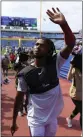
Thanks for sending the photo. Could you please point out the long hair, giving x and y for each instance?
(22, 58)
(50, 45)
(51, 49)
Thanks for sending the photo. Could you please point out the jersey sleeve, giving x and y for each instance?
(59, 62)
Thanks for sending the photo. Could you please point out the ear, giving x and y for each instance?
(50, 52)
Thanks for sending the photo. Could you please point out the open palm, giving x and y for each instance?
(56, 17)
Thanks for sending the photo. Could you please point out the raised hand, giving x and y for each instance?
(56, 16)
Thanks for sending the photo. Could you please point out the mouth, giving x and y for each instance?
(36, 51)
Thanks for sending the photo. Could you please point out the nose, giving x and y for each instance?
(37, 46)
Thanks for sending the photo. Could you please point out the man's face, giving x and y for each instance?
(40, 49)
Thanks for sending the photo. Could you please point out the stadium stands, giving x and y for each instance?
(31, 34)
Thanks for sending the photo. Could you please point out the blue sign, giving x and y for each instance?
(18, 21)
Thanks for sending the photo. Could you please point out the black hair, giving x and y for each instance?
(50, 45)
(22, 57)
(77, 61)
(51, 51)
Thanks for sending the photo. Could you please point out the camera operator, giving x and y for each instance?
(75, 74)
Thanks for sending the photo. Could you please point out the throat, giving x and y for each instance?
(40, 62)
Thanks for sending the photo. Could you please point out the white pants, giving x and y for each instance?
(47, 130)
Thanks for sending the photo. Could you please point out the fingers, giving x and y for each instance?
(58, 9)
(13, 129)
(50, 14)
(12, 132)
(52, 20)
(54, 10)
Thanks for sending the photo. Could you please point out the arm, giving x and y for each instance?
(21, 89)
(18, 100)
(58, 18)
(69, 40)
(71, 73)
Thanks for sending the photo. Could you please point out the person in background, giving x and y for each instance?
(5, 66)
(12, 59)
(75, 74)
(77, 48)
(45, 97)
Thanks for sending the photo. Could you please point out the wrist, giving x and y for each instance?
(64, 24)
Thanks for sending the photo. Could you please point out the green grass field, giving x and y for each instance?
(57, 51)
(3, 51)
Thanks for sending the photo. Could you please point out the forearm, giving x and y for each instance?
(68, 35)
(15, 111)
(16, 108)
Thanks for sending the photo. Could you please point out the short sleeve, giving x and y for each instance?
(59, 62)
(22, 86)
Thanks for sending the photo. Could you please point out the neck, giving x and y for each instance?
(40, 62)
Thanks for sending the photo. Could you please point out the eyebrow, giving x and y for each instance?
(39, 43)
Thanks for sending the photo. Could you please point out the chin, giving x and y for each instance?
(37, 56)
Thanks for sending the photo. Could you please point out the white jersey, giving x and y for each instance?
(45, 107)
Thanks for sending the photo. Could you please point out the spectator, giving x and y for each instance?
(12, 58)
(5, 65)
(75, 74)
